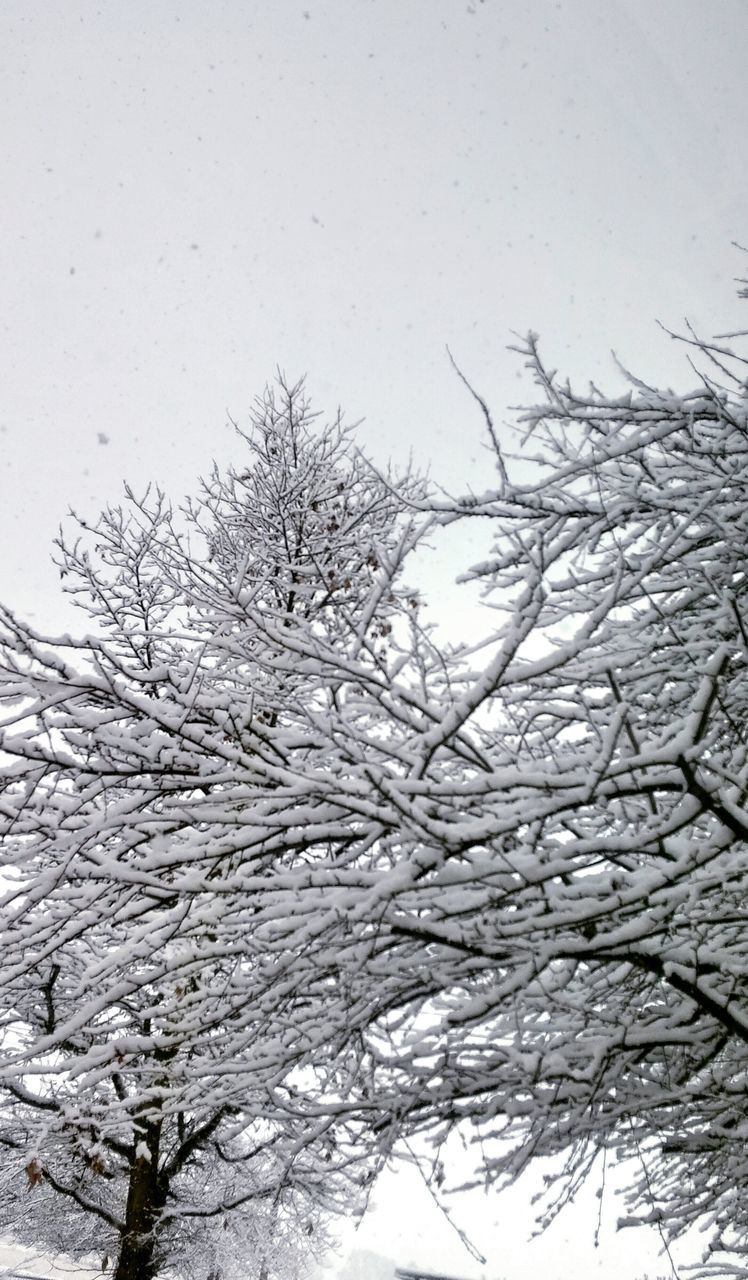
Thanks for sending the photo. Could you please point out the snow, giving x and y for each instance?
(18, 1260)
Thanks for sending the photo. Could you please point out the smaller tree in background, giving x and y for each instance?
(153, 798)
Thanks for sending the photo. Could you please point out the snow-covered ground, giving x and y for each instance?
(16, 1261)
(363, 1264)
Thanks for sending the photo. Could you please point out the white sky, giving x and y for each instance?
(404, 1226)
(196, 191)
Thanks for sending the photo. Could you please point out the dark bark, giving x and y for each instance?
(146, 1196)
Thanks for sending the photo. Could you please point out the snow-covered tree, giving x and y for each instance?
(573, 952)
(281, 873)
(154, 791)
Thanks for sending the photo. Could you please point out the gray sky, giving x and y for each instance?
(195, 192)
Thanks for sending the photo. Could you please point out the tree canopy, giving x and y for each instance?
(286, 880)
(582, 935)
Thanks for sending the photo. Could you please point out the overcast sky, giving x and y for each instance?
(197, 192)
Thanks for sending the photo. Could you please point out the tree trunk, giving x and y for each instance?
(145, 1199)
(136, 1260)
